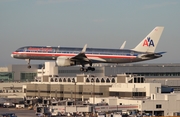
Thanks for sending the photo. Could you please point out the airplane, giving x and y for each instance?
(71, 56)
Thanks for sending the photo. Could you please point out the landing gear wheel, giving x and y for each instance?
(29, 66)
(28, 60)
(82, 69)
(85, 70)
(91, 68)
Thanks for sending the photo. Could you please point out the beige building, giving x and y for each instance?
(84, 86)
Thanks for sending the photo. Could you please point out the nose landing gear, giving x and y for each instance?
(28, 60)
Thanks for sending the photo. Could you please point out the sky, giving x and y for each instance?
(97, 23)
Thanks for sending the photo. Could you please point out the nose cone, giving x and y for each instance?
(12, 55)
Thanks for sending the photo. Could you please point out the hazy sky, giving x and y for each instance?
(99, 23)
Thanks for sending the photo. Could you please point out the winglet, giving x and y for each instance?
(84, 48)
(123, 45)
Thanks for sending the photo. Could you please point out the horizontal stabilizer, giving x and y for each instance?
(161, 52)
(152, 55)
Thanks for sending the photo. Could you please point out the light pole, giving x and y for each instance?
(38, 92)
(74, 91)
(93, 80)
(42, 74)
(75, 95)
(166, 82)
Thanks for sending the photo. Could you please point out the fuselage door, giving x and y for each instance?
(53, 53)
(132, 53)
(25, 50)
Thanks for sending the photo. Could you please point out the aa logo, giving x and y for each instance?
(148, 42)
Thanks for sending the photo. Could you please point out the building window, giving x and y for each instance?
(107, 81)
(28, 76)
(6, 76)
(97, 80)
(158, 106)
(113, 80)
(64, 80)
(139, 80)
(87, 80)
(102, 80)
(69, 80)
(135, 80)
(60, 80)
(139, 94)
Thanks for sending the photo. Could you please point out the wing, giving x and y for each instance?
(83, 59)
(123, 45)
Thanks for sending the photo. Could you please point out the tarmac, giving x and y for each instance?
(18, 112)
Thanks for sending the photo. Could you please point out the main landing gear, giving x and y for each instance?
(28, 60)
(86, 69)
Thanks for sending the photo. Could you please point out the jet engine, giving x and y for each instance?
(64, 61)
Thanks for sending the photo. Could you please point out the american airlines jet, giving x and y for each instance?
(70, 56)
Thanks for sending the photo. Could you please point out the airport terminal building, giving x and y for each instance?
(166, 74)
(120, 90)
(140, 84)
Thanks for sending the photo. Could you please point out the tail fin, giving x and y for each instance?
(149, 43)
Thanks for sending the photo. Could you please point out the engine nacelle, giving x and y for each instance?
(64, 61)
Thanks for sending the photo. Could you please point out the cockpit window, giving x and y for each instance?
(20, 50)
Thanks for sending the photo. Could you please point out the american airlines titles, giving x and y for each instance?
(40, 49)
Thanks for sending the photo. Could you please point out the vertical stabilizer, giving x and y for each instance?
(149, 43)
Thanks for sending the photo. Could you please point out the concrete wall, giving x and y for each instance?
(12, 84)
(67, 91)
(3, 69)
(18, 69)
(141, 68)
